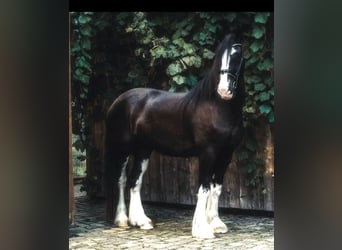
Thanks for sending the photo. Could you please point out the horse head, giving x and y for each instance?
(229, 65)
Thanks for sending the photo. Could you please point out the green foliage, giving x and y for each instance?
(250, 164)
(81, 34)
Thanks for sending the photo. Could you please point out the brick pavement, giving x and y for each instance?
(172, 230)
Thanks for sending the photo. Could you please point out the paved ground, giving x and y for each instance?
(172, 230)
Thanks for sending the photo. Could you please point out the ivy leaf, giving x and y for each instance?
(179, 79)
(84, 19)
(189, 48)
(158, 52)
(76, 47)
(174, 68)
(271, 117)
(192, 61)
(256, 45)
(271, 91)
(172, 89)
(267, 64)
(78, 145)
(212, 28)
(146, 40)
(251, 145)
(179, 41)
(252, 79)
(261, 17)
(208, 54)
(191, 80)
(264, 96)
(85, 30)
(242, 155)
(250, 109)
(265, 109)
(85, 44)
(83, 96)
(252, 60)
(259, 87)
(258, 31)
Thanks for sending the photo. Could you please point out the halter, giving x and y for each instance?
(232, 75)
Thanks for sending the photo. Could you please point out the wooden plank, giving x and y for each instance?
(170, 187)
(154, 179)
(184, 178)
(269, 171)
(175, 180)
(193, 177)
(231, 186)
(71, 177)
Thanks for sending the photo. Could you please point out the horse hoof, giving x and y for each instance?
(147, 226)
(220, 230)
(121, 223)
(218, 226)
(121, 220)
(144, 223)
(204, 234)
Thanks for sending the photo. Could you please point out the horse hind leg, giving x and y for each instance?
(121, 218)
(137, 216)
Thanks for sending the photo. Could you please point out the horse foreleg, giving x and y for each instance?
(137, 216)
(121, 215)
(200, 226)
(212, 209)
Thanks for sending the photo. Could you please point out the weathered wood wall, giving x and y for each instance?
(175, 180)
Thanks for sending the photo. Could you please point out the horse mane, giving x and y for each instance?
(205, 89)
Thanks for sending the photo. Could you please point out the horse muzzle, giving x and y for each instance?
(225, 94)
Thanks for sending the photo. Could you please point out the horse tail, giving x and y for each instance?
(114, 157)
(109, 178)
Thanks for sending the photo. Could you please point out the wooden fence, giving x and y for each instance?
(175, 180)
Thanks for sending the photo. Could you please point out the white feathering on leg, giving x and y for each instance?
(137, 216)
(200, 226)
(212, 209)
(121, 216)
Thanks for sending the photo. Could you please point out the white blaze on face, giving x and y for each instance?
(223, 86)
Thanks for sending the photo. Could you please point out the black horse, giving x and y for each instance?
(205, 122)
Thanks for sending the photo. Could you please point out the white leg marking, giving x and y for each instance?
(200, 226)
(137, 216)
(121, 216)
(212, 209)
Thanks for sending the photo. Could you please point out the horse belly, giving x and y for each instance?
(166, 140)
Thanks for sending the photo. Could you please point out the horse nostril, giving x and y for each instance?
(222, 91)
